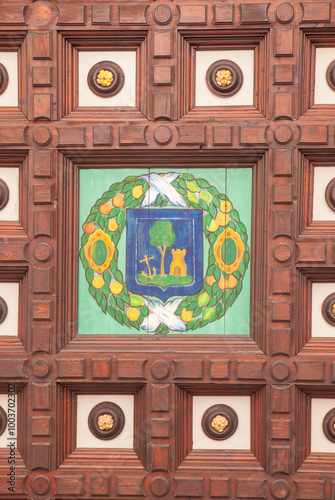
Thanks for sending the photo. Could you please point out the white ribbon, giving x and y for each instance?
(163, 314)
(161, 184)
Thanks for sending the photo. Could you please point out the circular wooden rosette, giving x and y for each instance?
(3, 310)
(4, 194)
(330, 75)
(328, 309)
(3, 78)
(106, 408)
(330, 194)
(116, 85)
(236, 78)
(216, 411)
(3, 420)
(328, 425)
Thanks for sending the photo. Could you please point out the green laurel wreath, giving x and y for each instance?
(216, 294)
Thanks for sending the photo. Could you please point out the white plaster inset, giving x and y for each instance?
(11, 177)
(243, 58)
(240, 440)
(85, 403)
(126, 60)
(10, 96)
(10, 293)
(321, 210)
(323, 93)
(4, 404)
(320, 327)
(319, 442)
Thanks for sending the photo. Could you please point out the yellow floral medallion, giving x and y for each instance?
(228, 251)
(105, 422)
(223, 77)
(219, 423)
(105, 78)
(99, 251)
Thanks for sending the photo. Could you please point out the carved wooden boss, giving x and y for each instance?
(156, 115)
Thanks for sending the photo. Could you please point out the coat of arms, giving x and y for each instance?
(167, 284)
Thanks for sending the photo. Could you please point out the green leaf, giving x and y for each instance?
(217, 273)
(104, 304)
(120, 217)
(114, 212)
(244, 237)
(92, 291)
(222, 196)
(120, 303)
(212, 238)
(203, 205)
(111, 311)
(107, 277)
(234, 215)
(192, 305)
(135, 325)
(113, 266)
(212, 211)
(94, 209)
(127, 187)
(125, 319)
(215, 288)
(119, 317)
(216, 201)
(98, 296)
(182, 183)
(202, 183)
(125, 298)
(105, 290)
(108, 194)
(212, 302)
(90, 218)
(187, 177)
(118, 276)
(189, 326)
(131, 178)
(196, 324)
(89, 275)
(197, 311)
(134, 203)
(242, 268)
(212, 190)
(144, 311)
(112, 300)
(84, 239)
(239, 287)
(165, 330)
(204, 323)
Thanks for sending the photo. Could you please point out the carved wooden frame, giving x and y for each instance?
(189, 41)
(70, 43)
(68, 225)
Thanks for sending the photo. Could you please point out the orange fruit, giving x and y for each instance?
(223, 283)
(222, 219)
(225, 206)
(210, 280)
(186, 315)
(105, 208)
(89, 228)
(118, 200)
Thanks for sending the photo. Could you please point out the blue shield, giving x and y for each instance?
(164, 252)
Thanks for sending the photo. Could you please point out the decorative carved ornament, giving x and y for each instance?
(328, 425)
(105, 79)
(219, 422)
(106, 420)
(328, 309)
(3, 420)
(224, 78)
(330, 194)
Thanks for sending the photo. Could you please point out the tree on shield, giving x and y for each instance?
(162, 236)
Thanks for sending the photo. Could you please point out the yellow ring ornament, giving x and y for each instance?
(229, 268)
(99, 251)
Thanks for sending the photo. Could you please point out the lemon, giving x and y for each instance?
(137, 191)
(203, 299)
(192, 197)
(136, 301)
(98, 282)
(113, 225)
(208, 313)
(205, 196)
(214, 226)
(222, 219)
(186, 315)
(210, 280)
(226, 206)
(193, 186)
(133, 314)
(116, 287)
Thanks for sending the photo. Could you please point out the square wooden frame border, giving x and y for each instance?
(68, 193)
(70, 43)
(191, 40)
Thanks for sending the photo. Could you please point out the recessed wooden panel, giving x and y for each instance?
(191, 134)
(131, 368)
(101, 14)
(71, 136)
(314, 134)
(42, 223)
(189, 487)
(42, 76)
(284, 41)
(316, 11)
(102, 135)
(224, 14)
(283, 105)
(193, 14)
(250, 488)
(12, 14)
(69, 485)
(132, 14)
(42, 106)
(13, 136)
(282, 165)
(311, 252)
(129, 486)
(42, 309)
(220, 369)
(162, 106)
(163, 75)
(159, 457)
(160, 397)
(162, 43)
(41, 455)
(188, 369)
(42, 163)
(41, 426)
(310, 489)
(71, 14)
(283, 73)
(254, 13)
(160, 427)
(100, 485)
(220, 487)
(42, 280)
(42, 45)
(222, 136)
(41, 396)
(282, 279)
(281, 429)
(283, 193)
(71, 368)
(252, 135)
(132, 135)
(281, 399)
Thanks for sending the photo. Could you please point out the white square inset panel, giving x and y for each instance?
(243, 58)
(10, 293)
(86, 402)
(11, 177)
(323, 93)
(319, 442)
(10, 96)
(320, 327)
(126, 60)
(322, 177)
(240, 440)
(4, 404)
